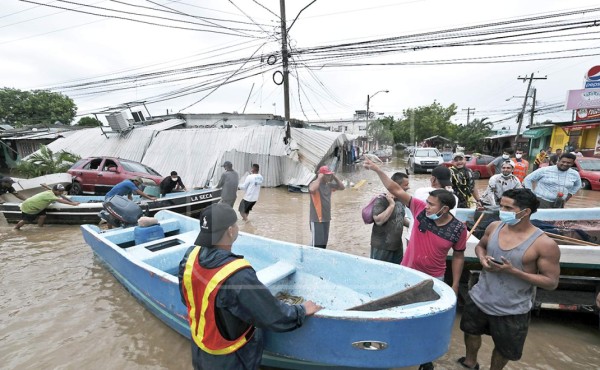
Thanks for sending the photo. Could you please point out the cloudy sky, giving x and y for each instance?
(223, 56)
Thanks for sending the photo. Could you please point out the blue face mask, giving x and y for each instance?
(510, 218)
(435, 216)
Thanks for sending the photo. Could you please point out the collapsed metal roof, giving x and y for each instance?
(197, 153)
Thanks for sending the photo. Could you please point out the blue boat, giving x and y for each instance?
(341, 335)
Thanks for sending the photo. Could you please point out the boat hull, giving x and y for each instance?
(187, 203)
(579, 257)
(395, 337)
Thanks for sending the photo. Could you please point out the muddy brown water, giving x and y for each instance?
(61, 309)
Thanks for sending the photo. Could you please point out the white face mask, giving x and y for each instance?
(518, 156)
(504, 156)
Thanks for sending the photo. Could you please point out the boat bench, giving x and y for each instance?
(275, 272)
(125, 239)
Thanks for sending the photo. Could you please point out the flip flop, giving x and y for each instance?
(462, 362)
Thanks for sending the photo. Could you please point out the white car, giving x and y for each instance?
(423, 160)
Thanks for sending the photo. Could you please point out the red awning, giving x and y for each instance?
(580, 127)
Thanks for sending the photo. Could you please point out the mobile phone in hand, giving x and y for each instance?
(497, 262)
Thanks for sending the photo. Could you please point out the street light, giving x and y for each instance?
(369, 97)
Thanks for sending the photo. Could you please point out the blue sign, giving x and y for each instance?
(592, 84)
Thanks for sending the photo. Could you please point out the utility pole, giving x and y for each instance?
(520, 117)
(286, 82)
(532, 107)
(469, 113)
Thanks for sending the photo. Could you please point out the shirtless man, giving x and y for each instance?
(516, 257)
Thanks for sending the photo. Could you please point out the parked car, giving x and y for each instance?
(97, 175)
(477, 163)
(423, 160)
(589, 171)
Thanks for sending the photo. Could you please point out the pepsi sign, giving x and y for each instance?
(592, 84)
(593, 74)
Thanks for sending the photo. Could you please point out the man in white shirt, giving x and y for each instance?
(251, 187)
(500, 183)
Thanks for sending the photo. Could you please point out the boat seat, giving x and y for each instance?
(275, 272)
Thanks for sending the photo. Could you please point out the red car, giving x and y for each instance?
(97, 175)
(477, 163)
(589, 171)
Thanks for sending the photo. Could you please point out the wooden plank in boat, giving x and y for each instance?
(421, 292)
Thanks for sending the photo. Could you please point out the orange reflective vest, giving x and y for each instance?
(520, 170)
(200, 288)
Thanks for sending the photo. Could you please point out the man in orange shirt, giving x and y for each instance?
(320, 205)
(521, 165)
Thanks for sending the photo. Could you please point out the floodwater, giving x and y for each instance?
(61, 309)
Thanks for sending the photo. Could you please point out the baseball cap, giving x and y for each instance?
(443, 175)
(58, 187)
(214, 221)
(325, 170)
(458, 154)
(227, 164)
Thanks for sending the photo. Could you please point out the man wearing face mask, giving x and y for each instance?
(555, 185)
(500, 183)
(521, 165)
(495, 166)
(435, 231)
(516, 258)
(170, 183)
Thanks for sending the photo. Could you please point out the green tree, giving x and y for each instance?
(24, 108)
(89, 122)
(425, 121)
(381, 130)
(44, 162)
(471, 135)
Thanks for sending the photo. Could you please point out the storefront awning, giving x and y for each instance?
(580, 127)
(537, 133)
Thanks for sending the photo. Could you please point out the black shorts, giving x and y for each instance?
(245, 206)
(31, 218)
(508, 332)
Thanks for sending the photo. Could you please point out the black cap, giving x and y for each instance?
(443, 175)
(214, 221)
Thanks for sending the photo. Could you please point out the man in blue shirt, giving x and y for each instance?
(555, 185)
(127, 188)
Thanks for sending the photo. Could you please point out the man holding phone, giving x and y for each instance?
(516, 257)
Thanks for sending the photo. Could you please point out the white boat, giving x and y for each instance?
(29, 187)
(582, 255)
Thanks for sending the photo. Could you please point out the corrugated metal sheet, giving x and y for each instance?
(36, 136)
(197, 154)
(91, 142)
(161, 126)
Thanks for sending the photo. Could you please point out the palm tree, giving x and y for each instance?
(44, 162)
